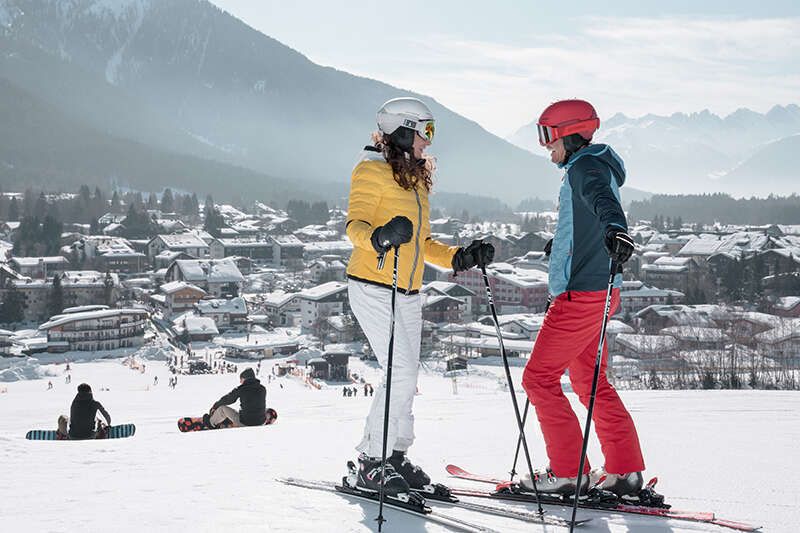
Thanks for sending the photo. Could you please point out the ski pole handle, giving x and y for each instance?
(382, 255)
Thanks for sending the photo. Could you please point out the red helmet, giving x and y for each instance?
(565, 118)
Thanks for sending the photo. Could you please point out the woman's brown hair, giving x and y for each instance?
(408, 171)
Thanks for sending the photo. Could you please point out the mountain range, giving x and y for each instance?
(145, 94)
(186, 78)
(745, 153)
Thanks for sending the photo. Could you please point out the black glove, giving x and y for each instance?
(548, 247)
(397, 231)
(478, 253)
(619, 245)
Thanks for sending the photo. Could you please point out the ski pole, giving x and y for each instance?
(520, 425)
(597, 362)
(513, 471)
(380, 518)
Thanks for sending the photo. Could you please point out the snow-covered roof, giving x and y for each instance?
(278, 298)
(34, 261)
(82, 308)
(490, 343)
(60, 320)
(244, 243)
(235, 306)
(286, 240)
(211, 270)
(651, 344)
(200, 325)
(447, 287)
(618, 327)
(696, 334)
(322, 291)
(787, 303)
(433, 299)
(328, 246)
(175, 286)
(650, 292)
(788, 329)
(182, 240)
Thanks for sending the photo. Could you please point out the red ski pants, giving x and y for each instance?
(568, 340)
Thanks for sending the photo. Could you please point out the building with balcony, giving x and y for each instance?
(104, 329)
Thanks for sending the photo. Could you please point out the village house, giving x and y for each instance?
(94, 330)
(653, 352)
(635, 296)
(180, 296)
(113, 254)
(691, 337)
(192, 328)
(781, 343)
(218, 277)
(515, 290)
(39, 267)
(287, 251)
(79, 287)
(327, 268)
(787, 306)
(258, 251)
(454, 290)
(314, 250)
(682, 274)
(188, 243)
(320, 302)
(441, 308)
(226, 314)
(282, 308)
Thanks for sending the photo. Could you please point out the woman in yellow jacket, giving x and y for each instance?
(389, 208)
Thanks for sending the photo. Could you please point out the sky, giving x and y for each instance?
(501, 62)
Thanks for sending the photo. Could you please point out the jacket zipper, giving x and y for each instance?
(416, 240)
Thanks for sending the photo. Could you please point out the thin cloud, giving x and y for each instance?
(635, 65)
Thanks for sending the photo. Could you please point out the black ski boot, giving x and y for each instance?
(369, 477)
(416, 478)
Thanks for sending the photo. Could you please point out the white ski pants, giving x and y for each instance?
(372, 307)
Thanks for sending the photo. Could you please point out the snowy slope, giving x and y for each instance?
(163, 480)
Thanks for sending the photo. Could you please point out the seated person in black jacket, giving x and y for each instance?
(251, 395)
(83, 412)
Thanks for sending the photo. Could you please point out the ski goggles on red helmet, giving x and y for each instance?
(548, 134)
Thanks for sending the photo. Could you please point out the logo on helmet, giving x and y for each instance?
(409, 124)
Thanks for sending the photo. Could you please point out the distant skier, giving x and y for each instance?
(49, 385)
(155, 381)
(388, 208)
(252, 398)
(591, 231)
(82, 414)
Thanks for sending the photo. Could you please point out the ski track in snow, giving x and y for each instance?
(705, 446)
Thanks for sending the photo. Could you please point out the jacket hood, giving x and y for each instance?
(604, 153)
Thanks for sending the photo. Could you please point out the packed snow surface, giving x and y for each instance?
(729, 452)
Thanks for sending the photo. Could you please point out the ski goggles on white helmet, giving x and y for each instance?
(425, 128)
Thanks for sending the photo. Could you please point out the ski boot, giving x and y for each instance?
(548, 483)
(621, 485)
(368, 478)
(418, 480)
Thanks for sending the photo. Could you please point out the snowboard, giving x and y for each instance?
(195, 423)
(122, 431)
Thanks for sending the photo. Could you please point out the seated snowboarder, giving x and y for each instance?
(82, 416)
(251, 395)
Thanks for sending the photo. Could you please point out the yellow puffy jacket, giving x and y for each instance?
(376, 198)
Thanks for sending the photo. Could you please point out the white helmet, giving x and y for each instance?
(408, 113)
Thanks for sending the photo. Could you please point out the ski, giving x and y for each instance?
(423, 511)
(510, 492)
(438, 493)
